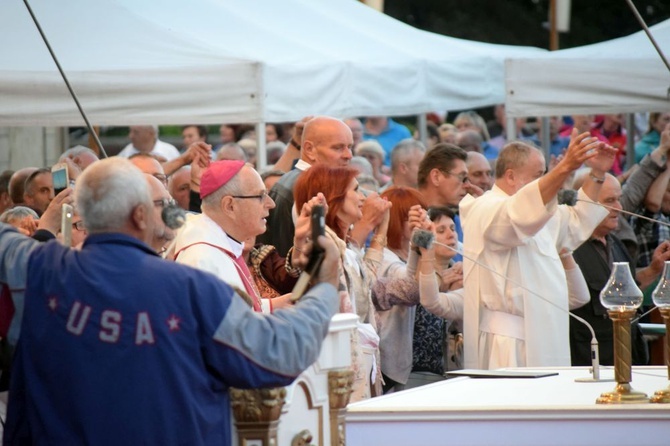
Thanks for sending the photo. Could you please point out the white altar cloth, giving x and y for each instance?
(553, 410)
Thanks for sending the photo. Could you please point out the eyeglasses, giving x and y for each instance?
(79, 225)
(161, 177)
(164, 202)
(260, 197)
(462, 177)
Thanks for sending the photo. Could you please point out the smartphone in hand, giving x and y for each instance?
(318, 226)
(67, 212)
(60, 177)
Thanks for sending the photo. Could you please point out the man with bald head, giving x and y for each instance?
(324, 140)
(479, 170)
(150, 165)
(144, 139)
(17, 184)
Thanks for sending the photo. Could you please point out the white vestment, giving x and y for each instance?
(199, 244)
(161, 148)
(519, 237)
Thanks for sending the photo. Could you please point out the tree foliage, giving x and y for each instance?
(524, 22)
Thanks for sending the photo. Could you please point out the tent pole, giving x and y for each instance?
(630, 139)
(67, 83)
(511, 131)
(422, 126)
(546, 138)
(261, 150)
(646, 30)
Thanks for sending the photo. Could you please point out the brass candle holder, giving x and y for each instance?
(661, 297)
(622, 297)
(623, 393)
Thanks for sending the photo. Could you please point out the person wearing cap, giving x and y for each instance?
(235, 205)
(373, 152)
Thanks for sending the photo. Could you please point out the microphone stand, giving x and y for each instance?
(653, 220)
(595, 358)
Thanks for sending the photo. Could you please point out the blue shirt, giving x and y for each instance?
(389, 137)
(119, 346)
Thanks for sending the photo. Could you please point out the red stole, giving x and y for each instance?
(242, 270)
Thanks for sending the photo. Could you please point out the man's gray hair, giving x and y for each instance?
(107, 192)
(403, 150)
(17, 213)
(512, 156)
(210, 204)
(76, 151)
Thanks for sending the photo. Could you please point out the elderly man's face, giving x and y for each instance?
(159, 195)
(609, 195)
(142, 137)
(335, 145)
(78, 230)
(180, 187)
(251, 213)
(150, 166)
(479, 170)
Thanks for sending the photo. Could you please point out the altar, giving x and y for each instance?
(552, 410)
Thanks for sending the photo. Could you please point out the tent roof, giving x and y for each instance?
(216, 61)
(620, 75)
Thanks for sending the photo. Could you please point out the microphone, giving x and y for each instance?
(173, 216)
(595, 358)
(569, 198)
(422, 238)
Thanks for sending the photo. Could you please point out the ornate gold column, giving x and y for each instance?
(257, 413)
(340, 386)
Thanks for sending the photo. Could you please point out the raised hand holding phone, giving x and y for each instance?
(60, 177)
(318, 227)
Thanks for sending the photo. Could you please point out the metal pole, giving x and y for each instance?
(646, 30)
(422, 125)
(67, 83)
(630, 139)
(261, 147)
(553, 26)
(511, 132)
(546, 138)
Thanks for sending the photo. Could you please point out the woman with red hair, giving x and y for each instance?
(345, 204)
(396, 293)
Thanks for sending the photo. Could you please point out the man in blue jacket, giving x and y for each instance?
(119, 346)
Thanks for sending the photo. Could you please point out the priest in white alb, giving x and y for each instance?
(517, 229)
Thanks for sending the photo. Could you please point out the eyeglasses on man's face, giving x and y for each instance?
(79, 225)
(462, 177)
(164, 202)
(260, 197)
(161, 177)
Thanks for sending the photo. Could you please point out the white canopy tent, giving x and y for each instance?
(620, 75)
(228, 61)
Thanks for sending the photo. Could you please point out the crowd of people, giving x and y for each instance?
(454, 253)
